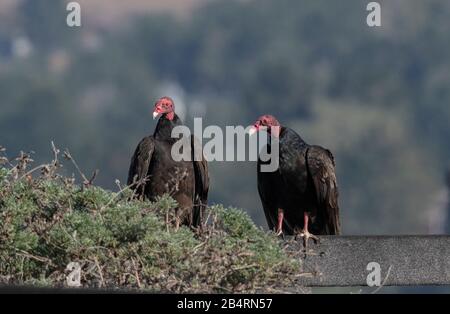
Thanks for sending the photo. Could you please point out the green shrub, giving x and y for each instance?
(48, 222)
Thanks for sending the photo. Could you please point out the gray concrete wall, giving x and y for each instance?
(342, 260)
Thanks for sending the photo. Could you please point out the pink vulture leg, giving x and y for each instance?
(280, 222)
(177, 223)
(305, 233)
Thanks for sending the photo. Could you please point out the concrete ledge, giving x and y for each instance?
(342, 260)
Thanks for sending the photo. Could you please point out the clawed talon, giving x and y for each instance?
(306, 236)
(279, 228)
(304, 233)
(280, 233)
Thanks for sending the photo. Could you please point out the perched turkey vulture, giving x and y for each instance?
(153, 172)
(303, 189)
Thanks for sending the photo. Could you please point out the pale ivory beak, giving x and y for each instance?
(252, 131)
(155, 115)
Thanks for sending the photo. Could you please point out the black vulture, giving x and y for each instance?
(301, 196)
(154, 172)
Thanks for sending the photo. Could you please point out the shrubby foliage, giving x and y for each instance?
(48, 221)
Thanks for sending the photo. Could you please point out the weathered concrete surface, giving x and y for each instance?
(342, 260)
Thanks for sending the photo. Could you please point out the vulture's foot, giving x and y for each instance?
(304, 233)
(280, 233)
(306, 236)
(177, 224)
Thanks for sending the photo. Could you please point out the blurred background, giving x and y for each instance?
(378, 97)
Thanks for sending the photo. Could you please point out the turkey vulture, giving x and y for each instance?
(153, 172)
(302, 190)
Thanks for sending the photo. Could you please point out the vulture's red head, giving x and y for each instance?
(164, 106)
(266, 122)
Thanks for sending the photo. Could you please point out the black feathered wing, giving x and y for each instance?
(140, 163)
(321, 166)
(201, 181)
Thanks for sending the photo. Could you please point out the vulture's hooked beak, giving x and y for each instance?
(252, 130)
(155, 114)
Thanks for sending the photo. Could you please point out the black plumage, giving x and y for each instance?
(153, 172)
(301, 196)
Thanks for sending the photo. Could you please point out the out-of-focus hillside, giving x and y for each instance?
(7, 6)
(109, 13)
(377, 97)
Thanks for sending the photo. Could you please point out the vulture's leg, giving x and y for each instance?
(280, 222)
(305, 233)
(177, 223)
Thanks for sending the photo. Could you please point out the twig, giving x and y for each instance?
(68, 156)
(94, 175)
(35, 257)
(54, 164)
(115, 196)
(138, 281)
(33, 170)
(244, 267)
(55, 153)
(195, 249)
(99, 271)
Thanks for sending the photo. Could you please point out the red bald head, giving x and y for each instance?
(164, 106)
(266, 122)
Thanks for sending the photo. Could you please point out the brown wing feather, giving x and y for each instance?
(322, 169)
(201, 181)
(140, 163)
